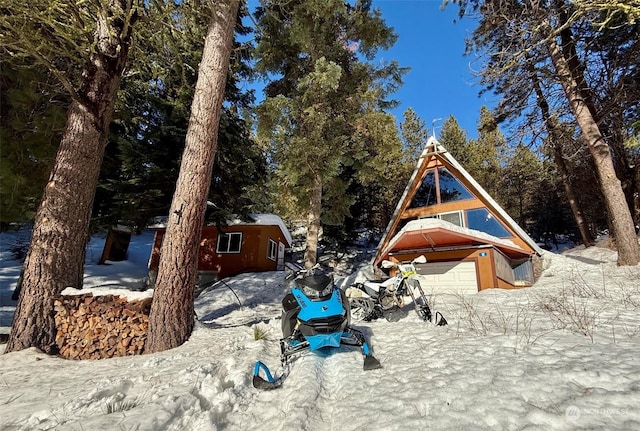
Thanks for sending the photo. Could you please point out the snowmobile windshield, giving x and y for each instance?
(317, 286)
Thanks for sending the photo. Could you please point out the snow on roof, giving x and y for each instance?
(426, 223)
(259, 219)
(159, 222)
(433, 148)
(266, 220)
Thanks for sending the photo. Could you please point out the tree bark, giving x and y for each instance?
(56, 255)
(313, 222)
(606, 123)
(172, 311)
(617, 209)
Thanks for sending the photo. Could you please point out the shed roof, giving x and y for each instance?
(258, 219)
(266, 220)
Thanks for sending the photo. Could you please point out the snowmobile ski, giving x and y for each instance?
(268, 381)
(316, 316)
(264, 379)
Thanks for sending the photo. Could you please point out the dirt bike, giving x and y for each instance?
(372, 299)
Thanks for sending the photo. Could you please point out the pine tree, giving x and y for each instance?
(619, 214)
(148, 133)
(609, 12)
(32, 117)
(313, 114)
(550, 212)
(171, 319)
(414, 135)
(520, 177)
(96, 37)
(515, 34)
(485, 155)
(555, 139)
(381, 180)
(454, 139)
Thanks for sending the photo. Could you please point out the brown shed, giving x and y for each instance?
(470, 242)
(238, 248)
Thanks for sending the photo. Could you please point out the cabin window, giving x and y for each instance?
(229, 242)
(481, 219)
(272, 252)
(426, 194)
(439, 187)
(451, 189)
(454, 217)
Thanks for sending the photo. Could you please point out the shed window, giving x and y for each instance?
(454, 217)
(272, 251)
(229, 242)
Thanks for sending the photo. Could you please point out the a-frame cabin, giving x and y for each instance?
(470, 242)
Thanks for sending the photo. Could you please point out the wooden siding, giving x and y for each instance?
(253, 255)
(493, 269)
(434, 157)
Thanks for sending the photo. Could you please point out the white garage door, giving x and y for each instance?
(448, 277)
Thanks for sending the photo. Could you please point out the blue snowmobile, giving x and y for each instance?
(316, 316)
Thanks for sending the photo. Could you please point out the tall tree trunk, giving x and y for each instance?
(56, 255)
(172, 311)
(552, 128)
(313, 222)
(617, 208)
(606, 123)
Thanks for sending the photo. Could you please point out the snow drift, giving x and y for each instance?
(560, 355)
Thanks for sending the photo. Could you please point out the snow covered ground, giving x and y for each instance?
(561, 355)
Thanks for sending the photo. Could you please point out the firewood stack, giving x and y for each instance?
(98, 327)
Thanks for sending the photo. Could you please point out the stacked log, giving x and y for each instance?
(98, 327)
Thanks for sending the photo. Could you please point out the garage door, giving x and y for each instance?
(448, 277)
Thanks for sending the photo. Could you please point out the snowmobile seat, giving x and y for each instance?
(289, 302)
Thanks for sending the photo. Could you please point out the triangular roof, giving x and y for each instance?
(433, 157)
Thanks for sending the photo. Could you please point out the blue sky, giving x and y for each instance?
(440, 82)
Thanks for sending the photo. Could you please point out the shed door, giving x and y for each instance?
(448, 277)
(280, 266)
